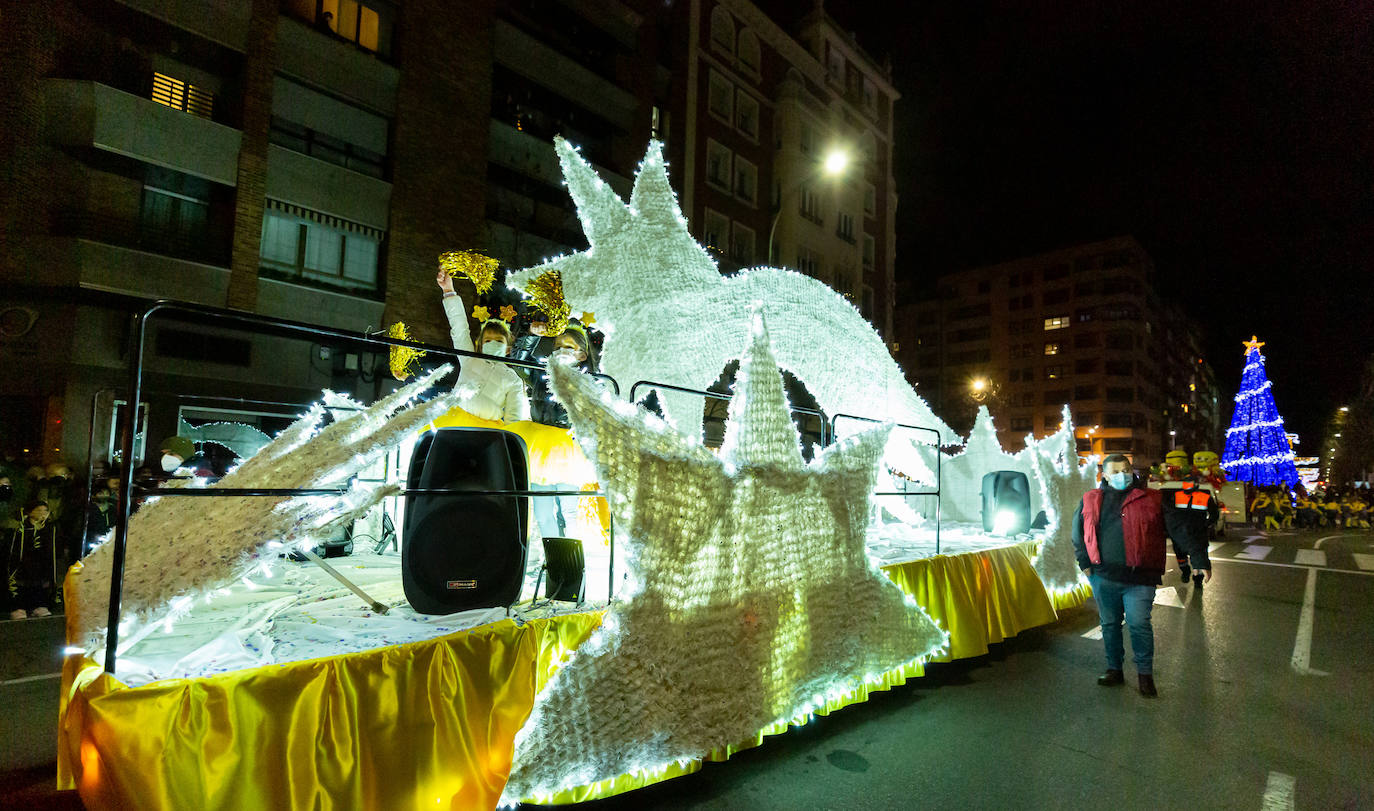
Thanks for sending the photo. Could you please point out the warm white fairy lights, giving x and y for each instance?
(671, 317)
(961, 475)
(753, 598)
(180, 549)
(1063, 481)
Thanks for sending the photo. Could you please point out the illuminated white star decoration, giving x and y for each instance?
(181, 549)
(1063, 481)
(961, 475)
(671, 317)
(752, 597)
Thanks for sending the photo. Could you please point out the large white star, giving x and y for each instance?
(751, 594)
(670, 317)
(961, 475)
(1063, 481)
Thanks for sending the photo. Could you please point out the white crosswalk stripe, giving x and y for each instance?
(1095, 633)
(1167, 595)
(1255, 552)
(1310, 557)
(1365, 562)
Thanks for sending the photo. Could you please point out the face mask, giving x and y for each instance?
(1119, 481)
(497, 348)
(170, 462)
(6, 492)
(567, 355)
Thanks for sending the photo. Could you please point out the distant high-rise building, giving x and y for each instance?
(1082, 326)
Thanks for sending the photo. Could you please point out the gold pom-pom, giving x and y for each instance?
(403, 358)
(479, 268)
(546, 296)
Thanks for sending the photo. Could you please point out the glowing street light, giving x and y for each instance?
(978, 385)
(835, 164)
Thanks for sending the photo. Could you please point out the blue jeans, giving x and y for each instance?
(1115, 601)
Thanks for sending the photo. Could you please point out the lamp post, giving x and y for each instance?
(834, 165)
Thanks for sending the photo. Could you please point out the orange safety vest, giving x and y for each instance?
(1191, 499)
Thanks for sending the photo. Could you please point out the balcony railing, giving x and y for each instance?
(195, 244)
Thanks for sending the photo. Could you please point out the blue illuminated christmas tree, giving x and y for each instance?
(1257, 448)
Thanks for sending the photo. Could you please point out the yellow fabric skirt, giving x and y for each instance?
(426, 725)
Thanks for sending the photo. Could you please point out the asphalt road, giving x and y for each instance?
(1259, 708)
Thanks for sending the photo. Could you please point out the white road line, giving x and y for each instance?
(1095, 633)
(1166, 595)
(1255, 552)
(1278, 792)
(1365, 562)
(1302, 645)
(1259, 537)
(26, 679)
(1321, 541)
(1287, 566)
(1212, 547)
(1310, 557)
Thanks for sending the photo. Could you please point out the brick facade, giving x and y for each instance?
(251, 196)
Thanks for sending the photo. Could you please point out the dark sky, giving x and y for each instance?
(1234, 141)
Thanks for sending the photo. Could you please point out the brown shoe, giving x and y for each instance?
(1147, 686)
(1111, 678)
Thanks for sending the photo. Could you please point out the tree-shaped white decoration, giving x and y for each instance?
(961, 475)
(670, 317)
(752, 600)
(180, 548)
(1063, 481)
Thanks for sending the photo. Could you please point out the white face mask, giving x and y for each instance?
(497, 348)
(170, 462)
(1119, 481)
(566, 355)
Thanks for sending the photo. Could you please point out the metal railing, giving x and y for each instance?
(716, 395)
(254, 323)
(938, 466)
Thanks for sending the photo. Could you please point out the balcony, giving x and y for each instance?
(131, 271)
(323, 186)
(84, 113)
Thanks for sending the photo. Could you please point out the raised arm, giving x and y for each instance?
(457, 313)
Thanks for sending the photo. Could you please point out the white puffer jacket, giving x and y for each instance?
(492, 391)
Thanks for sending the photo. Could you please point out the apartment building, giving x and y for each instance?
(1082, 326)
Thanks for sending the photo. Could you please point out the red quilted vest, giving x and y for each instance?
(1142, 524)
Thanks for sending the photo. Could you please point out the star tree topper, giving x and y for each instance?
(753, 598)
(671, 317)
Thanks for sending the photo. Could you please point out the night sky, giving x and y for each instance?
(1235, 142)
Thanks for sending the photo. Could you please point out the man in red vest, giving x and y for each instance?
(1118, 538)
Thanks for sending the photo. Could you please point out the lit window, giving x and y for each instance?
(353, 21)
(301, 244)
(182, 95)
(1052, 348)
(1057, 322)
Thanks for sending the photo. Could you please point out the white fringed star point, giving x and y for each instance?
(752, 600)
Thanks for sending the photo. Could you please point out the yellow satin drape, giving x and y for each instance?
(425, 725)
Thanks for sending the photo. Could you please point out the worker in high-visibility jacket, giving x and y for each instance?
(1265, 507)
(1190, 512)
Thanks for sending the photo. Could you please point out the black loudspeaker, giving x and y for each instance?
(1006, 502)
(462, 552)
(337, 546)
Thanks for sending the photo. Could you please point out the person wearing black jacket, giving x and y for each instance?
(1189, 512)
(34, 565)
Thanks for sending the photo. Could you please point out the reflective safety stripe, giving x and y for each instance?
(1191, 499)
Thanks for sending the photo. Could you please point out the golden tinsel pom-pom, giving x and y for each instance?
(403, 358)
(546, 296)
(507, 313)
(481, 269)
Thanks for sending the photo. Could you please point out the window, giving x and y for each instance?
(722, 29)
(1084, 393)
(971, 311)
(327, 128)
(302, 139)
(1025, 398)
(834, 63)
(866, 303)
(1020, 423)
(721, 97)
(301, 244)
(742, 244)
(1090, 288)
(1118, 313)
(718, 161)
(1118, 420)
(809, 204)
(808, 138)
(1057, 322)
(1085, 340)
(658, 123)
(1055, 372)
(870, 97)
(1051, 347)
(1121, 340)
(746, 114)
(1118, 445)
(171, 220)
(1020, 350)
(746, 181)
(1052, 422)
(1056, 272)
(1085, 366)
(1056, 397)
(808, 261)
(717, 231)
(1055, 296)
(182, 95)
(1120, 368)
(1083, 316)
(749, 51)
(354, 22)
(870, 199)
(869, 253)
(844, 226)
(971, 334)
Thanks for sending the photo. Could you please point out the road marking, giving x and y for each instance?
(1255, 552)
(1287, 566)
(1278, 792)
(1310, 557)
(1259, 537)
(1166, 595)
(1302, 645)
(25, 679)
(1365, 562)
(1321, 541)
(1095, 633)
(1212, 547)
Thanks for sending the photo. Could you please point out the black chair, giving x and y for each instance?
(567, 569)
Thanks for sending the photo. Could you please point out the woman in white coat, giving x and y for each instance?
(492, 391)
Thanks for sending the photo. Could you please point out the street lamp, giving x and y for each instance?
(1172, 434)
(834, 165)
